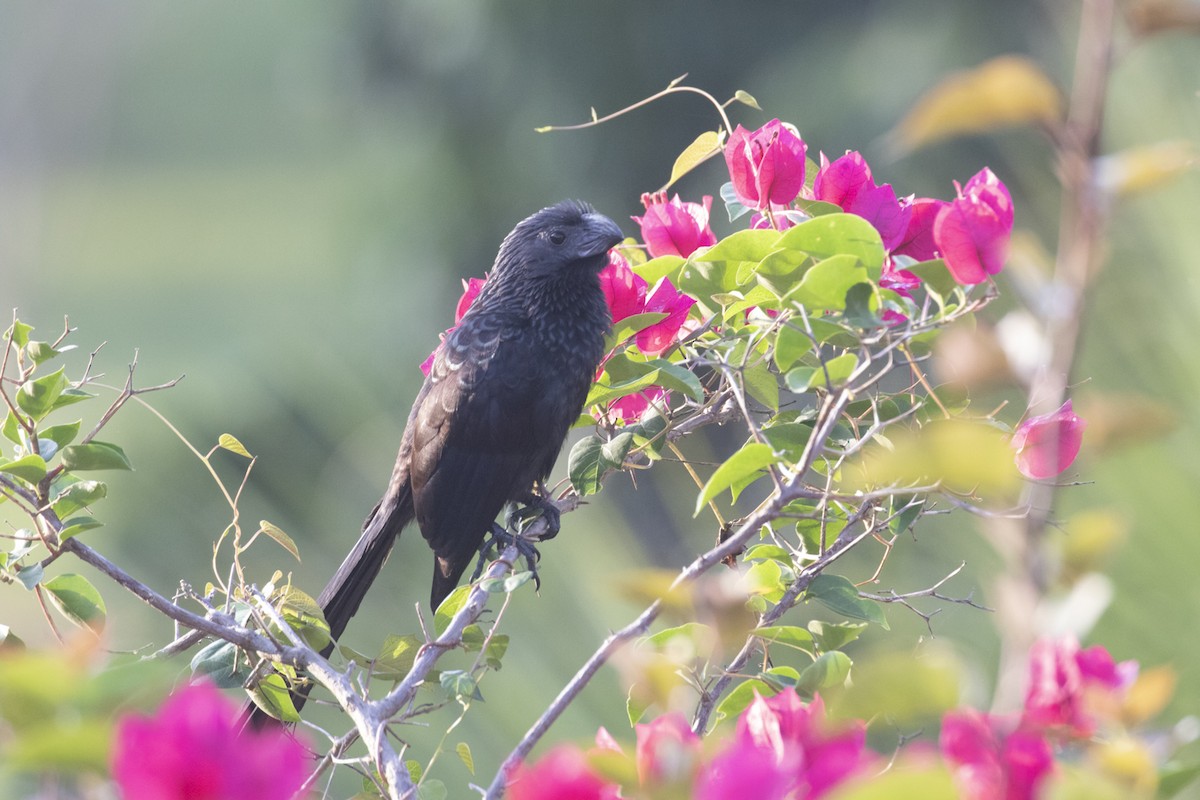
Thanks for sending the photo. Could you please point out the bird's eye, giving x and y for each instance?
(557, 237)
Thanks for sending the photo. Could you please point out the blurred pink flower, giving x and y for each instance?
(797, 733)
(194, 748)
(631, 407)
(972, 232)
(668, 752)
(561, 774)
(767, 165)
(992, 759)
(624, 290)
(675, 227)
(917, 241)
(659, 337)
(1046, 445)
(745, 770)
(847, 182)
(1068, 685)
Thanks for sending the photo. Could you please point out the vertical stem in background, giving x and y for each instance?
(1080, 250)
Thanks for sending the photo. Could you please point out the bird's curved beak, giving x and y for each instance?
(602, 235)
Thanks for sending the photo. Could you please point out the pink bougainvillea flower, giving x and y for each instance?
(631, 407)
(972, 232)
(675, 227)
(992, 759)
(744, 770)
(194, 748)
(767, 165)
(624, 290)
(471, 289)
(1069, 687)
(900, 281)
(659, 337)
(1046, 445)
(892, 318)
(561, 774)
(847, 182)
(668, 752)
(791, 730)
(917, 241)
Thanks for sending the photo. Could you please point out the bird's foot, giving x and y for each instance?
(536, 504)
(498, 539)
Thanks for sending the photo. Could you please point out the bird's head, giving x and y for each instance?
(569, 236)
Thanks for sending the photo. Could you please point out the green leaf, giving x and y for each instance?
(37, 397)
(787, 635)
(835, 635)
(507, 584)
(745, 462)
(278, 536)
(747, 99)
(918, 781)
(762, 385)
(747, 245)
(765, 578)
(858, 307)
(229, 442)
(791, 345)
(44, 351)
(94, 456)
(829, 670)
(396, 657)
(587, 466)
(459, 684)
(30, 468)
(692, 631)
(77, 495)
(841, 596)
(18, 333)
(733, 206)
(837, 234)
(306, 617)
(616, 448)
(453, 603)
(30, 576)
(12, 429)
(935, 275)
(464, 755)
(70, 397)
(77, 525)
(789, 438)
(77, 600)
(62, 435)
(656, 269)
(219, 661)
(826, 284)
(272, 696)
(704, 147)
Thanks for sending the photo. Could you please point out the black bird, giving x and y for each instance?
(491, 417)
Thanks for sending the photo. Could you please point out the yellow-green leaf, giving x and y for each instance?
(77, 599)
(231, 443)
(750, 459)
(277, 534)
(705, 146)
(1009, 90)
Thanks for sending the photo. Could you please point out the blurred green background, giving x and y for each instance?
(280, 198)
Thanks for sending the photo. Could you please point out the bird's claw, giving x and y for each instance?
(499, 538)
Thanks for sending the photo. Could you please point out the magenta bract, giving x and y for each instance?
(194, 748)
(972, 232)
(1046, 445)
(847, 182)
(561, 774)
(992, 758)
(675, 227)
(767, 165)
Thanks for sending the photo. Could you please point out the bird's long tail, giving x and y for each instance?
(345, 591)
